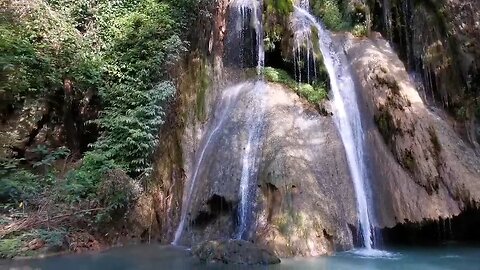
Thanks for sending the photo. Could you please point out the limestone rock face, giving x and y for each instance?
(424, 169)
(305, 198)
(301, 195)
(17, 130)
(234, 252)
(438, 41)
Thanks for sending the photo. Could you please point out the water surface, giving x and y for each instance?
(149, 257)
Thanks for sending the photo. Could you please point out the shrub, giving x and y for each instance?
(83, 182)
(313, 93)
(331, 14)
(360, 30)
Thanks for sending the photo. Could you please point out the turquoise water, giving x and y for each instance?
(149, 257)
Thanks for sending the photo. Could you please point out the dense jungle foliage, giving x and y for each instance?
(99, 69)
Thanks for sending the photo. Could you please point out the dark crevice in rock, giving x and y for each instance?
(38, 127)
(328, 236)
(217, 206)
(275, 59)
(203, 219)
(240, 49)
(355, 235)
(274, 199)
(461, 228)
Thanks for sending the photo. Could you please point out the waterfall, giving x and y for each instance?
(387, 17)
(251, 11)
(305, 4)
(347, 115)
(254, 120)
(247, 11)
(226, 103)
(250, 159)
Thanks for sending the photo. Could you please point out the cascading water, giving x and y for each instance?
(247, 11)
(227, 102)
(251, 11)
(254, 121)
(347, 114)
(250, 160)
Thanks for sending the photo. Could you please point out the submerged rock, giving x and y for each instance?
(234, 251)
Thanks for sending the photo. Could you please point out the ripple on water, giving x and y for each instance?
(373, 254)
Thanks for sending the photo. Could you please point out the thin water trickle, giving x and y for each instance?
(228, 97)
(347, 114)
(250, 159)
(251, 11)
(305, 4)
(247, 11)
(254, 121)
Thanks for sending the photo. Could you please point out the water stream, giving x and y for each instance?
(246, 11)
(346, 114)
(250, 159)
(254, 120)
(227, 101)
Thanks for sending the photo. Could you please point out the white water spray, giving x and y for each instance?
(246, 10)
(251, 10)
(228, 99)
(255, 117)
(250, 157)
(347, 115)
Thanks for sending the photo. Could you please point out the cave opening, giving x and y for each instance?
(216, 206)
(459, 229)
(275, 59)
(240, 43)
(219, 205)
(304, 69)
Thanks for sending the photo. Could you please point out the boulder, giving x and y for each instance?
(234, 252)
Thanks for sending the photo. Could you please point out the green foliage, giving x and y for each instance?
(121, 49)
(83, 182)
(360, 30)
(203, 83)
(39, 49)
(340, 15)
(50, 237)
(10, 248)
(385, 124)
(313, 93)
(115, 193)
(17, 185)
(279, 76)
(280, 6)
(330, 12)
(15, 244)
(143, 43)
(47, 157)
(130, 122)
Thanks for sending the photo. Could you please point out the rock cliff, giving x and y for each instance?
(425, 171)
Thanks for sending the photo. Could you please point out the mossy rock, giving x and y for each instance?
(314, 94)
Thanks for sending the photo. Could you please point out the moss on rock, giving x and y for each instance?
(313, 93)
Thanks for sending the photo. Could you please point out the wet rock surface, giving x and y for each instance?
(234, 252)
(302, 199)
(305, 196)
(424, 168)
